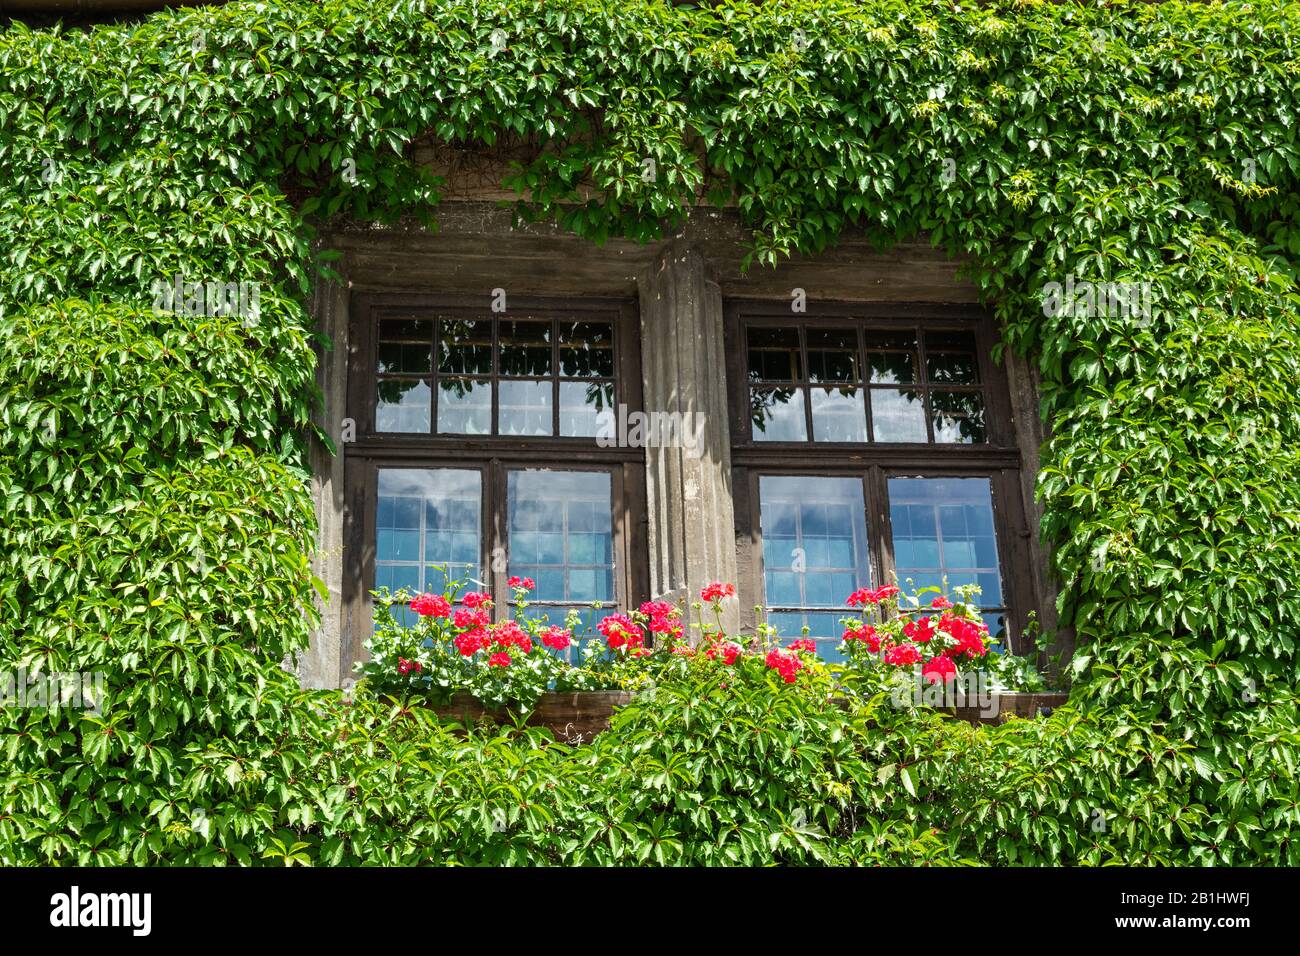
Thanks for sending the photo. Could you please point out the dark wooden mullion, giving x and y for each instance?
(864, 375)
(555, 376)
(923, 379)
(999, 417)
(885, 524)
(805, 380)
(1011, 528)
(622, 538)
(494, 376)
(497, 498)
(435, 381)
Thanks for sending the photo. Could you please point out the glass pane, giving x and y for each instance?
(891, 357)
(464, 407)
(465, 346)
(944, 526)
(586, 408)
(524, 408)
(838, 415)
(897, 415)
(402, 405)
(958, 417)
(525, 348)
(778, 414)
(814, 540)
(997, 625)
(774, 355)
(427, 528)
(404, 346)
(833, 355)
(561, 533)
(824, 628)
(587, 349)
(950, 358)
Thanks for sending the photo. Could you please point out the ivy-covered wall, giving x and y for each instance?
(157, 518)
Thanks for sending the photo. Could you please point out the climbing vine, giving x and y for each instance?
(158, 520)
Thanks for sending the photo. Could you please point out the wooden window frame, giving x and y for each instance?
(494, 456)
(875, 463)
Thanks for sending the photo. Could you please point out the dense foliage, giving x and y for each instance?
(157, 516)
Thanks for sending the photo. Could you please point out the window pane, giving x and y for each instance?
(465, 346)
(586, 349)
(561, 534)
(404, 346)
(524, 408)
(814, 540)
(838, 415)
(525, 348)
(585, 407)
(897, 415)
(464, 406)
(950, 358)
(833, 355)
(778, 414)
(774, 355)
(427, 528)
(947, 368)
(944, 526)
(823, 627)
(402, 405)
(958, 417)
(891, 357)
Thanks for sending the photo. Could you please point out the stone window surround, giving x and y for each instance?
(680, 283)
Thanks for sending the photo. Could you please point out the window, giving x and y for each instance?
(815, 551)
(915, 472)
(476, 456)
(455, 374)
(863, 381)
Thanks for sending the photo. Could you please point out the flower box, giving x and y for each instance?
(574, 717)
(1005, 704)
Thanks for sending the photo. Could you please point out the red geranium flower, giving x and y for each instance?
(431, 605)
(717, 591)
(804, 644)
(556, 637)
(499, 659)
(920, 630)
(471, 641)
(941, 603)
(729, 650)
(621, 631)
(524, 584)
(938, 669)
(785, 663)
(862, 597)
(864, 633)
(467, 618)
(886, 592)
(476, 599)
(902, 655)
(510, 634)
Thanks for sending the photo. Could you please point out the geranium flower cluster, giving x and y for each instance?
(936, 636)
(623, 633)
